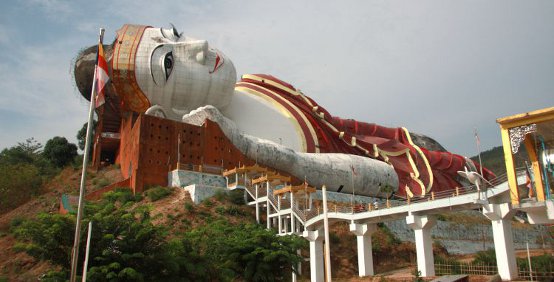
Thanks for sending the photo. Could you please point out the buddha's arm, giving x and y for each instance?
(336, 171)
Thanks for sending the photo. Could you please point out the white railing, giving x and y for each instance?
(307, 214)
(272, 201)
(252, 191)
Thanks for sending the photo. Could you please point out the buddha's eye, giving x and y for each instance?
(168, 64)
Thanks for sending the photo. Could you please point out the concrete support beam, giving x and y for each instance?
(268, 207)
(257, 205)
(365, 253)
(424, 244)
(280, 222)
(316, 254)
(500, 216)
(292, 218)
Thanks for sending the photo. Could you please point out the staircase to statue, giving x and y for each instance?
(267, 189)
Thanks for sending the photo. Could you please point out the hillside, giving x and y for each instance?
(493, 159)
(172, 210)
(176, 213)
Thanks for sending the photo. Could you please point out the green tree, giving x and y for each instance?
(48, 237)
(18, 183)
(246, 251)
(126, 246)
(22, 171)
(82, 134)
(59, 151)
(25, 152)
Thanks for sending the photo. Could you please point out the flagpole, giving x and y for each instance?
(326, 231)
(479, 151)
(85, 265)
(77, 239)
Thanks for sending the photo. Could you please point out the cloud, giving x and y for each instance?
(38, 97)
(440, 68)
(4, 34)
(53, 9)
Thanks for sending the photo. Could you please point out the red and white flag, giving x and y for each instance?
(102, 76)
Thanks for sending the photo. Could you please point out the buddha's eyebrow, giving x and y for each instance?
(174, 30)
(160, 39)
(171, 36)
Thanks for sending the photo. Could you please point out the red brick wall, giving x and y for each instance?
(148, 149)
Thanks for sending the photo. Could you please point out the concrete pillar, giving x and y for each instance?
(424, 244)
(500, 216)
(292, 218)
(316, 254)
(257, 205)
(365, 253)
(280, 224)
(268, 207)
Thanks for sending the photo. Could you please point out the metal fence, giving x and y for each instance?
(487, 270)
(524, 273)
(465, 268)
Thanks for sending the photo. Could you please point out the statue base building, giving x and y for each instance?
(147, 147)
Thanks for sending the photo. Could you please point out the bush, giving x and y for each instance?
(102, 182)
(487, 257)
(541, 263)
(18, 183)
(54, 276)
(235, 210)
(208, 203)
(48, 237)
(220, 195)
(16, 221)
(157, 193)
(121, 195)
(236, 197)
(455, 265)
(245, 252)
(189, 206)
(220, 210)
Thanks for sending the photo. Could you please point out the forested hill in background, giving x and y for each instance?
(493, 159)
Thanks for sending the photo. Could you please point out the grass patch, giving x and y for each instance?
(236, 197)
(189, 206)
(220, 210)
(158, 192)
(208, 203)
(234, 210)
(121, 195)
(102, 182)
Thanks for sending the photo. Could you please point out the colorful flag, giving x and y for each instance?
(477, 137)
(102, 76)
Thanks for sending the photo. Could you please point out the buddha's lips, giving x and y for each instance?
(218, 62)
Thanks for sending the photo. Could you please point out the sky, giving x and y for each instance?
(440, 68)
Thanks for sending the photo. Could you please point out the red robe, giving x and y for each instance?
(419, 170)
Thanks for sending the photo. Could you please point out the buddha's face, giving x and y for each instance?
(180, 73)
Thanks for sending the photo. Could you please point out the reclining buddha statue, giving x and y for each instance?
(160, 72)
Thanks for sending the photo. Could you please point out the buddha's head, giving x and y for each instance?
(157, 66)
